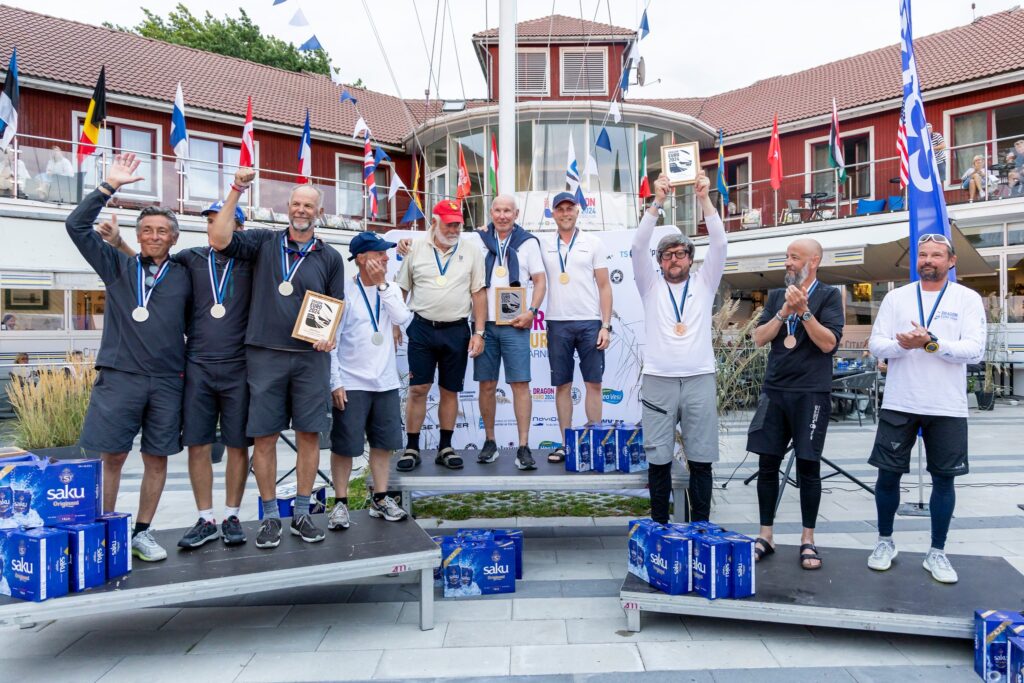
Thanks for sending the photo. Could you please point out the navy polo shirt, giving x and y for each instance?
(271, 315)
(155, 347)
(212, 340)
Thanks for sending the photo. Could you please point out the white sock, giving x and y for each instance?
(230, 512)
(207, 515)
(936, 551)
(886, 539)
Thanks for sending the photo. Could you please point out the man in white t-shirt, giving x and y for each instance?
(364, 379)
(511, 257)
(578, 313)
(678, 384)
(929, 331)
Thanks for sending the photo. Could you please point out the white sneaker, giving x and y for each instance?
(388, 509)
(882, 556)
(339, 517)
(145, 547)
(938, 564)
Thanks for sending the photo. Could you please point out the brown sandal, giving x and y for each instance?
(811, 556)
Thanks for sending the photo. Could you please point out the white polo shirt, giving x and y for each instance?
(356, 362)
(578, 299)
(530, 264)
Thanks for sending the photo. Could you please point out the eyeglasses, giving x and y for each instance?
(675, 255)
(934, 237)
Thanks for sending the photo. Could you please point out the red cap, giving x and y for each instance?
(448, 211)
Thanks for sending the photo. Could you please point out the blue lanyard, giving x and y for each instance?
(142, 293)
(503, 247)
(678, 308)
(558, 244)
(792, 319)
(289, 271)
(374, 318)
(920, 304)
(444, 269)
(218, 288)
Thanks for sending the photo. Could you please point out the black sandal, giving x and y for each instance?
(408, 461)
(556, 456)
(449, 458)
(813, 555)
(762, 549)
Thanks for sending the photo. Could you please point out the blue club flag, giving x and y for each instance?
(645, 28)
(603, 141)
(346, 96)
(723, 189)
(413, 213)
(179, 134)
(624, 82)
(379, 156)
(9, 103)
(926, 203)
(311, 44)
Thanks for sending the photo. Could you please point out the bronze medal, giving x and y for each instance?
(679, 329)
(790, 341)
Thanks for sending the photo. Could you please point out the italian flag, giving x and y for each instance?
(645, 187)
(493, 170)
(835, 145)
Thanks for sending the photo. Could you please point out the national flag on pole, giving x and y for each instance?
(305, 153)
(572, 171)
(464, 187)
(835, 146)
(369, 173)
(926, 203)
(412, 214)
(775, 156)
(247, 157)
(723, 189)
(179, 134)
(901, 147)
(416, 181)
(95, 115)
(9, 103)
(645, 185)
(493, 170)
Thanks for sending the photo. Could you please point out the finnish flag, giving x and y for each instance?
(179, 136)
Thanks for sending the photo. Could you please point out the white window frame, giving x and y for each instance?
(382, 193)
(809, 156)
(78, 116)
(947, 125)
(749, 156)
(585, 51)
(254, 189)
(547, 72)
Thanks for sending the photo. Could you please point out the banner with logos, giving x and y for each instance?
(604, 211)
(621, 386)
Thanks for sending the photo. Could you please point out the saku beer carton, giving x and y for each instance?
(119, 543)
(35, 563)
(87, 543)
(991, 630)
(37, 492)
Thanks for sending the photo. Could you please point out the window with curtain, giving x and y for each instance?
(532, 72)
(969, 134)
(350, 188)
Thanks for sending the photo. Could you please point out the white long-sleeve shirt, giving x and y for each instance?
(665, 353)
(356, 362)
(929, 383)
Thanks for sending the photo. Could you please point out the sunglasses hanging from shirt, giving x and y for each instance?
(679, 328)
(145, 286)
(791, 322)
(218, 286)
(564, 277)
(286, 288)
(378, 337)
(441, 278)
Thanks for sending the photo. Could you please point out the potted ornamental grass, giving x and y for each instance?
(50, 408)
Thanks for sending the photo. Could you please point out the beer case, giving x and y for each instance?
(35, 563)
(119, 543)
(604, 449)
(579, 449)
(660, 556)
(991, 630)
(1015, 655)
(514, 535)
(470, 567)
(630, 448)
(87, 545)
(286, 493)
(37, 492)
(712, 563)
(742, 564)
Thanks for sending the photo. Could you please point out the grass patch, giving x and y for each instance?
(491, 505)
(358, 494)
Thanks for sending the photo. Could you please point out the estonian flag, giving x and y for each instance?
(94, 118)
(9, 103)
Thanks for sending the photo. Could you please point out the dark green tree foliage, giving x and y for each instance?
(228, 36)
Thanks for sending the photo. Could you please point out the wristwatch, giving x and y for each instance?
(479, 332)
(779, 317)
(383, 287)
(806, 316)
(657, 206)
(933, 345)
(534, 310)
(606, 326)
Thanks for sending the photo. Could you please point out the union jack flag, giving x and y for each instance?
(369, 172)
(901, 147)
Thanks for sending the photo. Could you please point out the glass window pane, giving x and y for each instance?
(1014, 233)
(823, 179)
(984, 235)
(1015, 288)
(967, 129)
(437, 155)
(551, 153)
(229, 164)
(987, 286)
(92, 166)
(524, 156)
(87, 307)
(33, 309)
(474, 145)
(863, 300)
(382, 177)
(140, 142)
(202, 177)
(617, 170)
(350, 188)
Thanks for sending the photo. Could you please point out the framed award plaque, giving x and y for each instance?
(681, 163)
(318, 318)
(509, 304)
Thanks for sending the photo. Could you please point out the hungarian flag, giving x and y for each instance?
(94, 118)
(247, 157)
(775, 156)
(493, 171)
(835, 146)
(645, 185)
(369, 174)
(463, 188)
(305, 153)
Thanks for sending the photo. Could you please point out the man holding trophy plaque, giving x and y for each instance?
(298, 285)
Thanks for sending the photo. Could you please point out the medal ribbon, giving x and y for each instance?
(678, 308)
(503, 248)
(374, 318)
(558, 240)
(920, 304)
(142, 293)
(289, 271)
(792, 318)
(444, 269)
(218, 287)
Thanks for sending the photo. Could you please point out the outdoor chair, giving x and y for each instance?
(848, 392)
(896, 202)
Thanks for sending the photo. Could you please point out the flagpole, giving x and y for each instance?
(775, 220)
(835, 173)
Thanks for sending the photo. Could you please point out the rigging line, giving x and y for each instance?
(633, 190)
(440, 48)
(426, 51)
(455, 46)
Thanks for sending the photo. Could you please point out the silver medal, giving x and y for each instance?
(140, 314)
(218, 310)
(285, 288)
(377, 338)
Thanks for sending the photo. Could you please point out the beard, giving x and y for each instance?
(796, 278)
(297, 224)
(447, 241)
(677, 275)
(932, 274)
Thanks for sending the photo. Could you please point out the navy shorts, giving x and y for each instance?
(782, 416)
(288, 388)
(569, 337)
(441, 349)
(945, 442)
(122, 403)
(216, 393)
(374, 416)
(503, 345)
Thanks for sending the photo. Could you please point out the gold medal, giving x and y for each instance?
(501, 271)
(679, 329)
(564, 278)
(285, 288)
(441, 280)
(790, 341)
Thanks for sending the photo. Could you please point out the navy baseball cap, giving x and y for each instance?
(564, 197)
(368, 241)
(218, 206)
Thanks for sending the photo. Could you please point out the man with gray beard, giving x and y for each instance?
(803, 323)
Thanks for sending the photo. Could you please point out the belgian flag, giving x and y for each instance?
(94, 118)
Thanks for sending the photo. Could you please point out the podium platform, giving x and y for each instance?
(844, 593)
(370, 547)
(502, 475)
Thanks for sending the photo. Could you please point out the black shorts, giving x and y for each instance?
(122, 403)
(441, 349)
(216, 393)
(570, 338)
(288, 388)
(374, 416)
(945, 442)
(784, 415)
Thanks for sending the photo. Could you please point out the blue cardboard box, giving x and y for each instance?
(286, 493)
(742, 564)
(660, 556)
(119, 543)
(36, 563)
(514, 535)
(5, 564)
(87, 543)
(604, 449)
(1015, 655)
(991, 629)
(579, 449)
(631, 454)
(46, 492)
(711, 566)
(477, 567)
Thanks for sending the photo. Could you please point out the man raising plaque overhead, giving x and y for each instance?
(288, 378)
(141, 361)
(444, 281)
